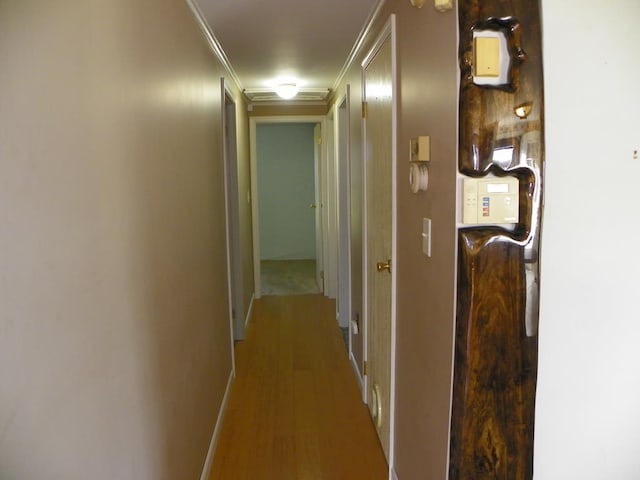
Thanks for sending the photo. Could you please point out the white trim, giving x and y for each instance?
(213, 41)
(394, 241)
(365, 248)
(329, 208)
(455, 270)
(356, 370)
(230, 276)
(388, 32)
(344, 214)
(208, 463)
(287, 103)
(255, 210)
(347, 99)
(249, 311)
(394, 475)
(357, 47)
(265, 94)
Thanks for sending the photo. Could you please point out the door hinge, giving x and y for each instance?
(364, 368)
(319, 140)
(365, 109)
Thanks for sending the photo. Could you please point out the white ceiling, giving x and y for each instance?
(298, 39)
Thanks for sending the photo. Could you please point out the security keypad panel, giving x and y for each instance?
(490, 200)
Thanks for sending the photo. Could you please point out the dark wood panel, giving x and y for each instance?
(495, 363)
(495, 369)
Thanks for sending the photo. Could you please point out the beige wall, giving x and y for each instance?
(114, 328)
(427, 88)
(292, 110)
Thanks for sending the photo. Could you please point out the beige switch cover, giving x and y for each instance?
(443, 5)
(420, 149)
(486, 57)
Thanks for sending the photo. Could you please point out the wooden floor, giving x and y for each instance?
(295, 410)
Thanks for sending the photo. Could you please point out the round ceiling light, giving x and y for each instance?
(287, 90)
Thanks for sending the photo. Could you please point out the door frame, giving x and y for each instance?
(342, 136)
(255, 207)
(230, 169)
(387, 32)
(318, 174)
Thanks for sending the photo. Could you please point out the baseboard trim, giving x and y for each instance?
(208, 463)
(249, 312)
(356, 370)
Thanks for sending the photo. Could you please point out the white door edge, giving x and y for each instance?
(229, 190)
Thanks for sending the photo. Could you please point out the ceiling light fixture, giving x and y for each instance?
(287, 90)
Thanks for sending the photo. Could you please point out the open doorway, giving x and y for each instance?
(288, 206)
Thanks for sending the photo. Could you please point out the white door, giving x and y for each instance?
(343, 214)
(379, 267)
(233, 215)
(318, 205)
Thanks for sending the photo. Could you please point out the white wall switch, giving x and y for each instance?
(426, 236)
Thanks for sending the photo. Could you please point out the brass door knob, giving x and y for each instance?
(313, 205)
(382, 266)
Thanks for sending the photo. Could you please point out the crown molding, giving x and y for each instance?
(357, 46)
(213, 41)
(261, 95)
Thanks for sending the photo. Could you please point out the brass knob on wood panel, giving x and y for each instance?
(382, 266)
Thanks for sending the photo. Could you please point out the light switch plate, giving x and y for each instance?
(486, 57)
(443, 5)
(420, 149)
(426, 236)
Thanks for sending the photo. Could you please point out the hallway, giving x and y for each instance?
(295, 411)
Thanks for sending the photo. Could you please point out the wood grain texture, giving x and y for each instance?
(495, 368)
(295, 411)
(495, 363)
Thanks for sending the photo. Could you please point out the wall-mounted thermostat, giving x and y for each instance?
(490, 200)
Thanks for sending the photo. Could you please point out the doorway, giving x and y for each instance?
(230, 153)
(287, 206)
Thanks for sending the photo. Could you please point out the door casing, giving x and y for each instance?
(388, 33)
(255, 207)
(234, 256)
(343, 210)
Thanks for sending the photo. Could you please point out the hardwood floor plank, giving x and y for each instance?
(295, 411)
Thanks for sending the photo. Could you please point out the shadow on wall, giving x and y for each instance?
(115, 342)
(175, 159)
